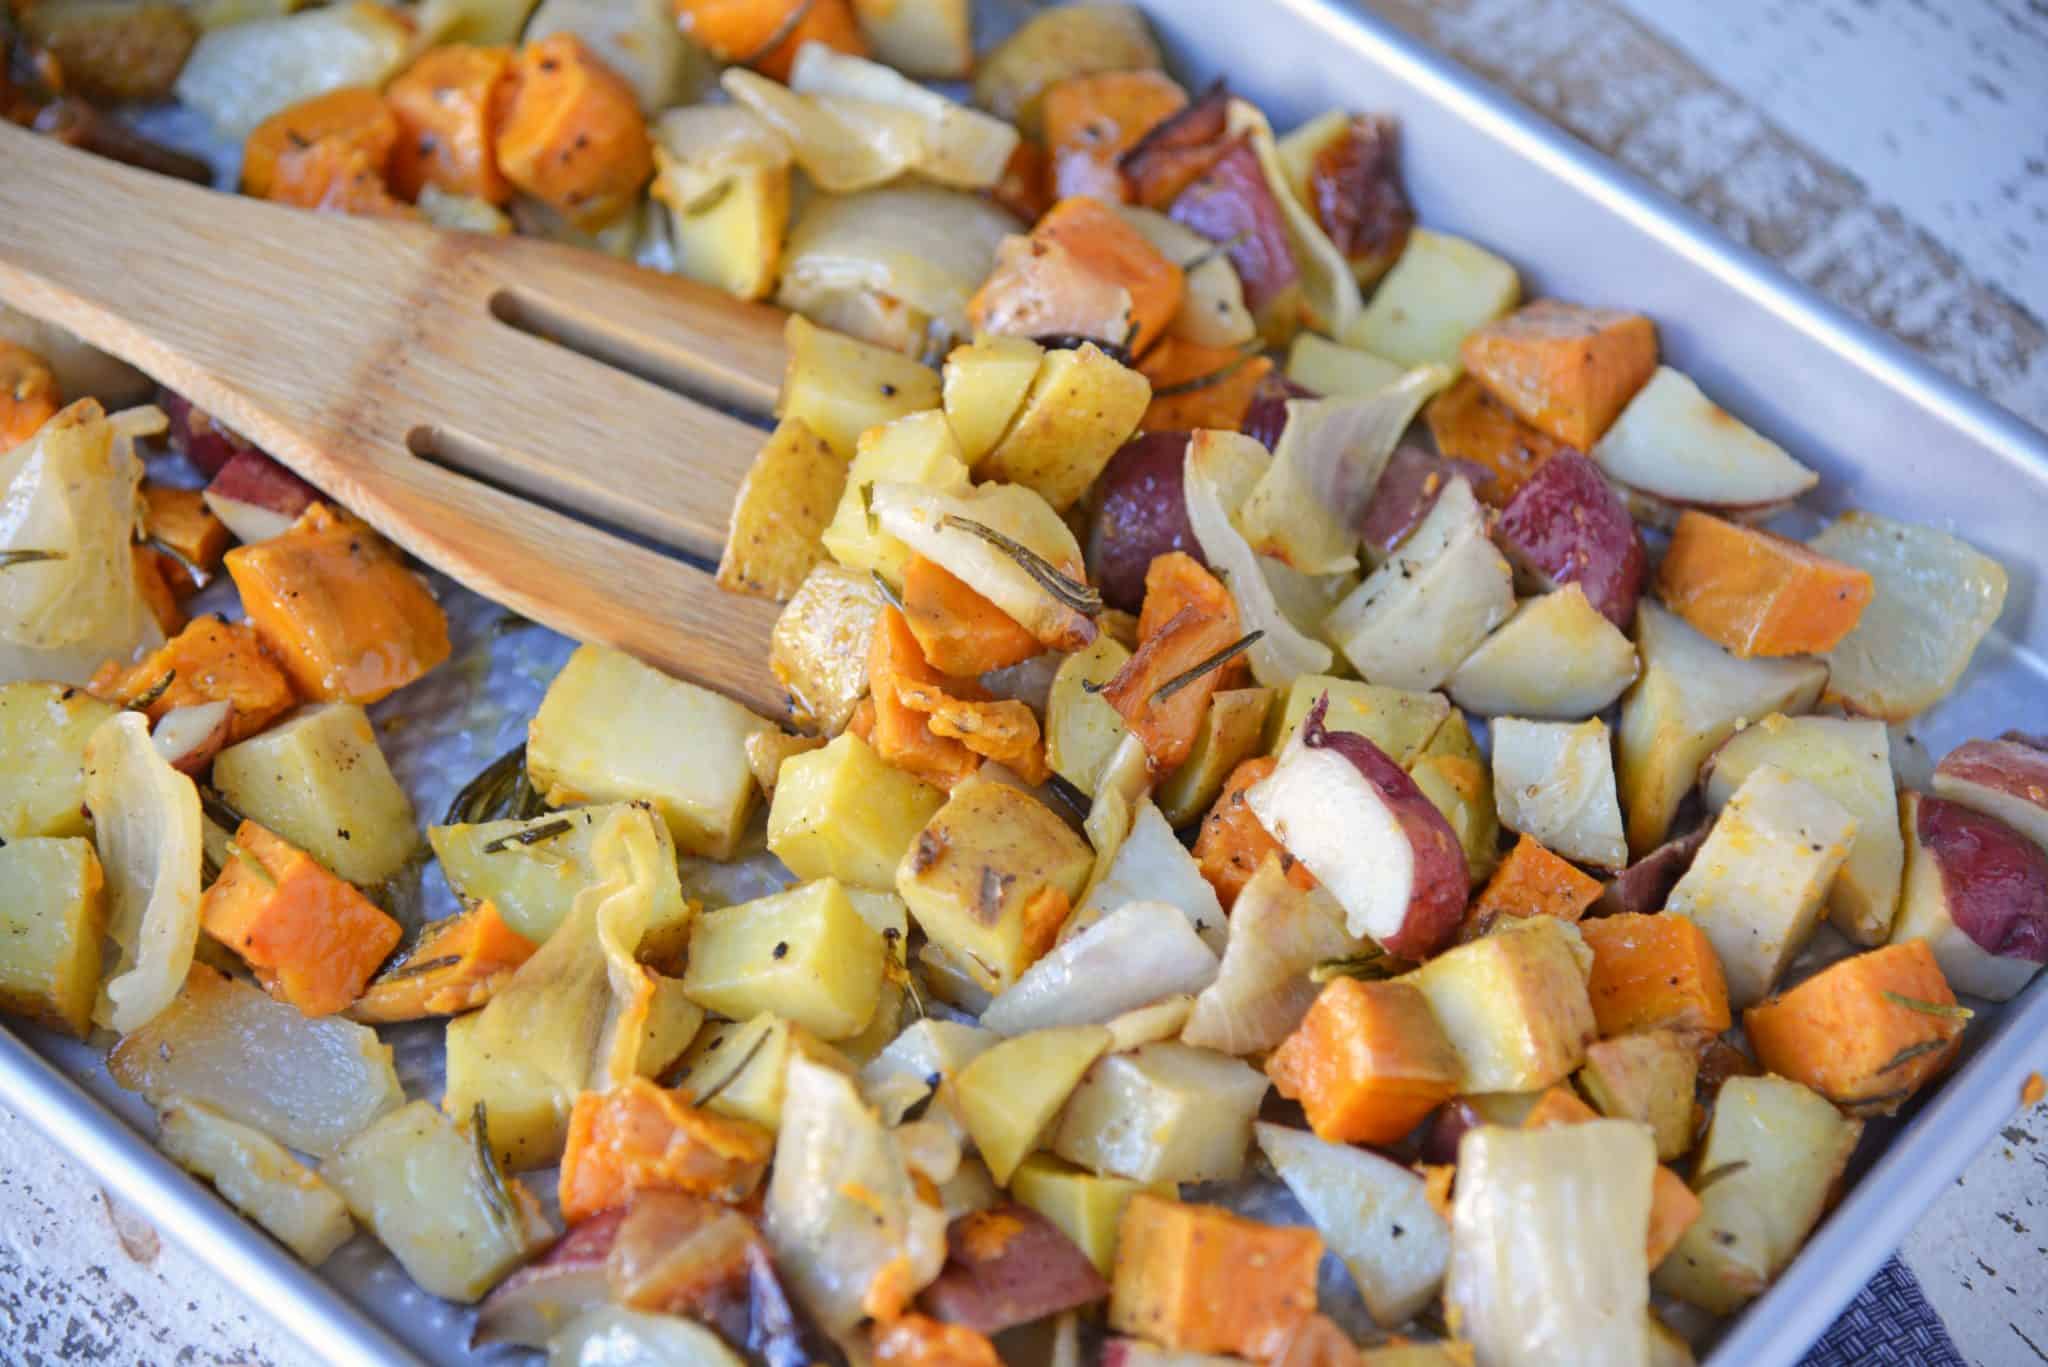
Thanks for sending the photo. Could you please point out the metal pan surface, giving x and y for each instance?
(1884, 429)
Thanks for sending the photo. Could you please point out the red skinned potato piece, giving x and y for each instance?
(2005, 778)
(1568, 526)
(1993, 878)
(531, 1304)
(1266, 418)
(189, 737)
(1009, 1266)
(1408, 489)
(258, 498)
(196, 436)
(1362, 827)
(1642, 887)
(1233, 203)
(1142, 514)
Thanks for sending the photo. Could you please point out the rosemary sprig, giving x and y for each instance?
(411, 969)
(500, 791)
(867, 507)
(251, 862)
(780, 36)
(532, 835)
(1371, 966)
(889, 594)
(1210, 665)
(705, 1097)
(1072, 593)
(9, 559)
(218, 809)
(1913, 1051)
(148, 697)
(1716, 1174)
(497, 1188)
(199, 574)
(1945, 1010)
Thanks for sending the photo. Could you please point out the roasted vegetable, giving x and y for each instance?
(1345, 170)
(1141, 952)
(841, 813)
(209, 661)
(960, 632)
(44, 728)
(1654, 972)
(321, 782)
(1367, 1063)
(1565, 369)
(1866, 1033)
(1058, 45)
(1081, 408)
(240, 74)
(332, 151)
(146, 826)
(819, 649)
(1532, 881)
(1165, 1112)
(1556, 783)
(1758, 594)
(958, 146)
(1469, 424)
(1279, 935)
(1648, 1077)
(258, 1177)
(1231, 203)
(1010, 1266)
(570, 132)
(637, 1137)
(456, 965)
(532, 870)
(780, 513)
(805, 955)
(1976, 891)
(50, 928)
(1440, 290)
(1514, 1005)
(1555, 658)
(1180, 1278)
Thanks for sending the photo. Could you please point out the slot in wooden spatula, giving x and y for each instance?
(493, 405)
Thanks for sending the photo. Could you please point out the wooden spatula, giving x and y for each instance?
(494, 405)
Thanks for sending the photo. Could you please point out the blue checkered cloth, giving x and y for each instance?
(1889, 1324)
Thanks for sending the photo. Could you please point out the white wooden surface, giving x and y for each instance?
(1891, 153)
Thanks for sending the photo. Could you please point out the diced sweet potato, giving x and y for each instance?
(1566, 525)
(1673, 1205)
(1354, 189)
(1867, 1032)
(1565, 369)
(902, 735)
(637, 1136)
(1178, 150)
(1470, 424)
(1756, 593)
(1654, 972)
(920, 1341)
(339, 609)
(1001, 729)
(28, 394)
(446, 104)
(1008, 1266)
(1532, 881)
(354, 126)
(313, 939)
(570, 132)
(179, 520)
(156, 590)
(456, 966)
(1188, 618)
(1200, 1279)
(1367, 1063)
(208, 661)
(1092, 120)
(1094, 235)
(1195, 386)
(1233, 843)
(960, 632)
(1025, 188)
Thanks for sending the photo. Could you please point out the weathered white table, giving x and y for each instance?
(1891, 153)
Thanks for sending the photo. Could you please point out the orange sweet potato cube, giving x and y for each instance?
(180, 521)
(1756, 593)
(1467, 423)
(960, 632)
(445, 103)
(1233, 842)
(1095, 236)
(156, 590)
(1202, 1280)
(1367, 1063)
(1654, 972)
(1532, 881)
(1866, 1033)
(570, 132)
(340, 611)
(29, 396)
(458, 965)
(1092, 120)
(1195, 386)
(638, 1136)
(209, 661)
(312, 938)
(350, 127)
(1673, 1205)
(1564, 369)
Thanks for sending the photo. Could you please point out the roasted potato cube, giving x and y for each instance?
(43, 730)
(984, 387)
(258, 1176)
(1565, 369)
(741, 1068)
(805, 955)
(1200, 1279)
(1755, 887)
(1513, 1004)
(1082, 730)
(733, 238)
(839, 386)
(1441, 289)
(1165, 1112)
(1647, 1077)
(320, 781)
(1866, 1032)
(532, 871)
(1231, 733)
(427, 1188)
(980, 871)
(612, 729)
(1398, 721)
(1009, 1095)
(780, 512)
(1556, 783)
(1087, 1207)
(841, 813)
(918, 448)
(1773, 1154)
(51, 920)
(1080, 409)
(1675, 444)
(1454, 776)
(819, 649)
(1555, 659)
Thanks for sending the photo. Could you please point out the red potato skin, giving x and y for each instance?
(1009, 1266)
(1409, 487)
(1568, 526)
(1994, 879)
(2015, 768)
(1643, 886)
(1231, 202)
(1436, 898)
(1266, 417)
(1444, 1129)
(254, 478)
(1142, 514)
(195, 435)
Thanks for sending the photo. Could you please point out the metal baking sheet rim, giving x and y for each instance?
(1851, 1243)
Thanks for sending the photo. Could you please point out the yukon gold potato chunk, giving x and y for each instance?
(805, 955)
(1437, 293)
(1082, 730)
(983, 386)
(1513, 1004)
(918, 448)
(1774, 1151)
(780, 513)
(992, 877)
(741, 1068)
(43, 731)
(258, 1177)
(320, 781)
(1010, 1095)
(1849, 760)
(839, 386)
(1676, 444)
(1080, 409)
(1166, 1112)
(1399, 721)
(1756, 887)
(612, 729)
(1691, 696)
(1556, 783)
(841, 813)
(51, 919)
(819, 648)
(1555, 659)
(1231, 733)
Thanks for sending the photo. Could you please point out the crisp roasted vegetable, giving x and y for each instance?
(1263, 988)
(1010, 1266)
(723, 173)
(532, 870)
(1440, 290)
(960, 632)
(179, 521)
(919, 449)
(1654, 972)
(1514, 1005)
(1565, 369)
(1691, 696)
(1140, 515)
(1556, 783)
(1565, 525)
(1935, 598)
(1850, 761)
(1010, 1095)
(1058, 45)
(1647, 1077)
(1189, 632)
(320, 781)
(1372, 1213)
(209, 661)
(1453, 775)
(332, 152)
(1400, 722)
(1772, 1157)
(1139, 953)
(1758, 594)
(1232, 203)
(1532, 881)
(613, 729)
(1547, 1243)
(741, 1069)
(427, 1186)
(50, 928)
(1232, 731)
(1675, 444)
(949, 143)
(780, 514)
(819, 649)
(258, 1177)
(840, 387)
(1329, 291)
(1006, 543)
(443, 105)
(1345, 170)
(841, 813)
(1082, 730)
(1165, 1112)
(1234, 844)
(1555, 658)
(1080, 409)
(1367, 1063)
(1092, 120)
(571, 134)
(1755, 888)
(805, 955)
(1976, 891)
(313, 939)
(1195, 386)
(1086, 1207)
(1180, 1278)
(640, 41)
(1469, 424)
(1212, 309)
(984, 386)
(146, 826)
(637, 1137)
(241, 74)
(456, 965)
(44, 728)
(310, 1084)
(1867, 1032)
